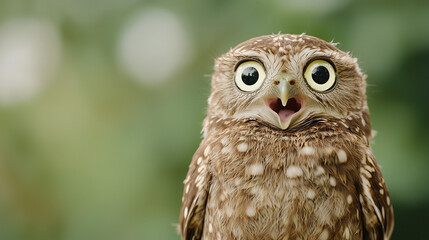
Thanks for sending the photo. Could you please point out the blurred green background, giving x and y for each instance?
(101, 104)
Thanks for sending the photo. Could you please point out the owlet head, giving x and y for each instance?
(283, 80)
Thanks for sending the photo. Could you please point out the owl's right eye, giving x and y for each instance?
(249, 76)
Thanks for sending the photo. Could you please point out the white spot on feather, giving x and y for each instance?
(342, 156)
(370, 161)
(332, 181)
(237, 232)
(311, 194)
(237, 181)
(250, 211)
(346, 233)
(207, 151)
(255, 169)
(200, 181)
(365, 181)
(242, 147)
(293, 172)
(201, 168)
(366, 173)
(210, 227)
(349, 199)
(363, 122)
(186, 180)
(224, 141)
(370, 169)
(307, 150)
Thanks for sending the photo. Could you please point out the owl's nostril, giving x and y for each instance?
(292, 106)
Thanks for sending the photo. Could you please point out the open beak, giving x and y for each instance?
(282, 106)
(286, 105)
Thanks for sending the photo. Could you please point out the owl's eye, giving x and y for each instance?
(249, 76)
(320, 75)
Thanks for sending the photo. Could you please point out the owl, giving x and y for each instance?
(286, 148)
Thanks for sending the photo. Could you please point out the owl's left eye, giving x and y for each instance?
(249, 76)
(320, 75)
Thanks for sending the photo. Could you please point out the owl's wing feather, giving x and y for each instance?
(195, 195)
(375, 202)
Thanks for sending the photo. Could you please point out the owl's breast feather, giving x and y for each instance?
(272, 184)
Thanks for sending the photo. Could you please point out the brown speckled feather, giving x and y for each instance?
(195, 197)
(375, 200)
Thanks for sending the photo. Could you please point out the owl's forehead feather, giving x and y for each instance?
(277, 43)
(286, 48)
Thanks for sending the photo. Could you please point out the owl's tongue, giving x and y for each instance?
(285, 112)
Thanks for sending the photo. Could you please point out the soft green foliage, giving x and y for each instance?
(97, 154)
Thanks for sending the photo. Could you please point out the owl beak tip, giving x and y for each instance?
(284, 101)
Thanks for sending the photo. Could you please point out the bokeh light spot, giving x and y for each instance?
(153, 46)
(29, 55)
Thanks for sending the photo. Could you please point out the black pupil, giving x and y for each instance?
(320, 75)
(250, 76)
